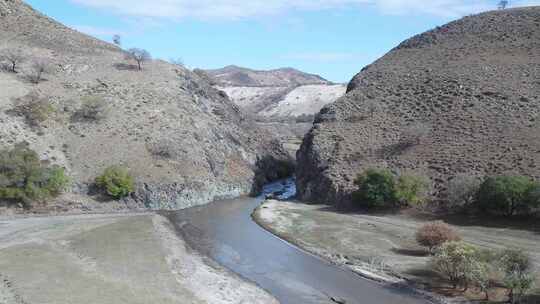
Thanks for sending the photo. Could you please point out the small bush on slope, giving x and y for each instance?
(34, 108)
(116, 182)
(93, 108)
(24, 178)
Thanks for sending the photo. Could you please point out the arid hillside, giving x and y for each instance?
(185, 142)
(282, 101)
(463, 98)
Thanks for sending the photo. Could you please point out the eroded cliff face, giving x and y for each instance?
(470, 90)
(184, 141)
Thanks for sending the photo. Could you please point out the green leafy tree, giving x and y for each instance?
(412, 189)
(24, 178)
(116, 182)
(506, 195)
(376, 188)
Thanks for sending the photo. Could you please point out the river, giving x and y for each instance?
(225, 231)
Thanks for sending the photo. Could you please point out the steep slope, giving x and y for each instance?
(185, 141)
(468, 92)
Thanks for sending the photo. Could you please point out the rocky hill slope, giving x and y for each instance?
(463, 98)
(185, 141)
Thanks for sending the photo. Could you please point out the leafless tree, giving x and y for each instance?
(117, 40)
(14, 57)
(139, 55)
(177, 61)
(503, 4)
(39, 66)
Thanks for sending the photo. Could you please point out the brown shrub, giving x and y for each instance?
(434, 234)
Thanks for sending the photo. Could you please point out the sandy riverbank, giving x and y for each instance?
(127, 258)
(378, 247)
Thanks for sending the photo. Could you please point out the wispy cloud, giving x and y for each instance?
(236, 9)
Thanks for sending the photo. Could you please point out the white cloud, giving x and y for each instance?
(235, 9)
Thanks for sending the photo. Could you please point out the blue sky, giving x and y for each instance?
(332, 38)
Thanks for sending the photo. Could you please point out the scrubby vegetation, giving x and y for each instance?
(25, 179)
(465, 265)
(34, 108)
(37, 69)
(434, 234)
(13, 57)
(93, 108)
(508, 195)
(116, 181)
(381, 188)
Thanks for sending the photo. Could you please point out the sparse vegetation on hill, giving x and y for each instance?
(25, 179)
(455, 102)
(35, 108)
(14, 57)
(93, 108)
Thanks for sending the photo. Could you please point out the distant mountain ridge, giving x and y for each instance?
(233, 75)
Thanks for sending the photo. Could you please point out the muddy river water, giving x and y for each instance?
(225, 232)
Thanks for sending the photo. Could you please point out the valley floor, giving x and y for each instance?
(381, 247)
(129, 258)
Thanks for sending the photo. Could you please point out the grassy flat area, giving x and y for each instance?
(384, 245)
(109, 259)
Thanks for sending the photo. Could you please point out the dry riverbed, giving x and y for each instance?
(129, 258)
(379, 247)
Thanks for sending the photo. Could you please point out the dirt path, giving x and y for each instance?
(110, 259)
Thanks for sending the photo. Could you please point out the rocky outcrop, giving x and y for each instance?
(184, 141)
(463, 98)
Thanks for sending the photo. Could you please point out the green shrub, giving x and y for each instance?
(507, 195)
(454, 261)
(376, 188)
(116, 182)
(24, 178)
(412, 189)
